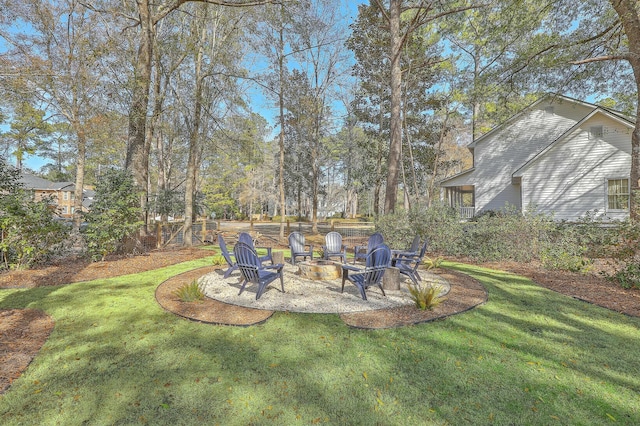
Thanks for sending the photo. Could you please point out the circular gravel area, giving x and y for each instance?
(309, 296)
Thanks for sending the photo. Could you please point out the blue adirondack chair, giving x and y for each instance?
(415, 245)
(374, 241)
(227, 256)
(377, 262)
(253, 271)
(408, 264)
(411, 251)
(299, 248)
(247, 239)
(333, 246)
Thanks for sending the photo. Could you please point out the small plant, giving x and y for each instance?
(434, 263)
(427, 297)
(218, 260)
(189, 292)
(628, 277)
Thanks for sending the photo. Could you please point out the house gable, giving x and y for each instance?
(543, 156)
(569, 178)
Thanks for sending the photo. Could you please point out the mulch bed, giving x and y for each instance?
(22, 334)
(208, 310)
(466, 293)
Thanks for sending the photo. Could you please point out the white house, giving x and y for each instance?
(559, 156)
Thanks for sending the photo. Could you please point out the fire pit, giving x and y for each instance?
(319, 270)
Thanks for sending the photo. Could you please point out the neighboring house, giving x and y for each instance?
(559, 156)
(61, 193)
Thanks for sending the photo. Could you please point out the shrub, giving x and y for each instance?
(114, 215)
(624, 255)
(189, 292)
(628, 276)
(563, 250)
(426, 297)
(29, 231)
(397, 229)
(439, 224)
(506, 235)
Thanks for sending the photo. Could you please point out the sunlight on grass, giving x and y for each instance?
(529, 356)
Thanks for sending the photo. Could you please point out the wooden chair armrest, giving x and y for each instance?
(351, 268)
(277, 266)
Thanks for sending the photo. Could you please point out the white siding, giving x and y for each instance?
(570, 179)
(500, 154)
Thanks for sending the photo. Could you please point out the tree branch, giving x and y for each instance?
(382, 10)
(601, 59)
(174, 4)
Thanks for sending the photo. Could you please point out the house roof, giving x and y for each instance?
(550, 96)
(597, 110)
(34, 182)
(457, 175)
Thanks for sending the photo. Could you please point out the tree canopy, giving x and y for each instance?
(294, 108)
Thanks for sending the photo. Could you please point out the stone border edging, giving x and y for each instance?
(208, 311)
(466, 293)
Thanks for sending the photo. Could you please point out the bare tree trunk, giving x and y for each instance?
(281, 137)
(80, 162)
(629, 13)
(151, 130)
(431, 189)
(140, 99)
(190, 184)
(395, 144)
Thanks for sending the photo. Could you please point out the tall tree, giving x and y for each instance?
(27, 132)
(147, 15)
(629, 15)
(403, 17)
(482, 44)
(274, 36)
(320, 53)
(60, 58)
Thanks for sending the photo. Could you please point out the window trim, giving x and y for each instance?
(607, 195)
(596, 132)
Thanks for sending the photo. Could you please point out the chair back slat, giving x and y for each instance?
(377, 262)
(296, 241)
(374, 241)
(333, 242)
(247, 261)
(246, 239)
(415, 244)
(224, 250)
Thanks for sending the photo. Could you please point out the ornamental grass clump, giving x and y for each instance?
(432, 263)
(426, 297)
(189, 292)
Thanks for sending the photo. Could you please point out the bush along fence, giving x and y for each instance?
(512, 236)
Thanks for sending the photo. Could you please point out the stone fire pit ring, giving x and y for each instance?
(319, 270)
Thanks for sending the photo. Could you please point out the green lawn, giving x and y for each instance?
(528, 357)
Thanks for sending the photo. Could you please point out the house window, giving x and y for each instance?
(618, 194)
(73, 195)
(596, 132)
(65, 195)
(64, 209)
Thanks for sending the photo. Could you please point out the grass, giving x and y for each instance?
(529, 356)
